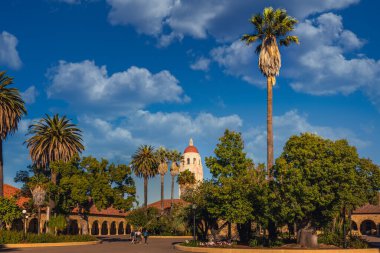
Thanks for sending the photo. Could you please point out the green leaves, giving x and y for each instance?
(9, 210)
(144, 162)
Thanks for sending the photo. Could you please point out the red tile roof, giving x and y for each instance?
(167, 203)
(11, 191)
(191, 149)
(367, 209)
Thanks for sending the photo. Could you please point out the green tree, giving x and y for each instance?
(271, 27)
(163, 159)
(186, 179)
(318, 180)
(9, 211)
(143, 217)
(12, 108)
(229, 168)
(145, 164)
(57, 224)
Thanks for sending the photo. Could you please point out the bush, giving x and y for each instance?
(335, 238)
(355, 242)
(18, 237)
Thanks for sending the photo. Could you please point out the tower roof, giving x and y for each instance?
(191, 148)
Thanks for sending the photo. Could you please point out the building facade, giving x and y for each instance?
(192, 161)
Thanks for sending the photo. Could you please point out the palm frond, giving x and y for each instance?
(289, 40)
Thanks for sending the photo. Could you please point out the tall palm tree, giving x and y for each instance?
(53, 139)
(176, 158)
(12, 108)
(186, 179)
(145, 164)
(162, 156)
(271, 28)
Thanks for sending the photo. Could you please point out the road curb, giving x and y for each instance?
(237, 250)
(50, 244)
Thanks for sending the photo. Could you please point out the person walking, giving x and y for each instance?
(133, 237)
(138, 236)
(146, 234)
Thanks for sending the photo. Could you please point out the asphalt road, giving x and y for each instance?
(110, 244)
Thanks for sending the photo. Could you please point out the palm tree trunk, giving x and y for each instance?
(172, 194)
(269, 126)
(145, 191)
(1, 170)
(162, 192)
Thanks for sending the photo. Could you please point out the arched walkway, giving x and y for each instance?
(113, 228)
(368, 227)
(104, 230)
(95, 228)
(121, 228)
(73, 227)
(354, 226)
(18, 225)
(33, 226)
(128, 230)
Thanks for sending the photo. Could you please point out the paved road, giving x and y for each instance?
(112, 245)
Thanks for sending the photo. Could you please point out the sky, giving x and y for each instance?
(158, 72)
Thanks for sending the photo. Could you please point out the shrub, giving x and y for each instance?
(18, 237)
(253, 243)
(355, 242)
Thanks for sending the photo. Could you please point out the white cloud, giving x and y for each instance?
(117, 140)
(8, 53)
(201, 63)
(88, 88)
(30, 95)
(293, 123)
(224, 20)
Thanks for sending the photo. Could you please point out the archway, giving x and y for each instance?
(95, 228)
(73, 227)
(113, 228)
(368, 227)
(120, 231)
(104, 228)
(128, 230)
(33, 226)
(18, 225)
(354, 226)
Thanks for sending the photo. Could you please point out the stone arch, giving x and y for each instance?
(73, 227)
(104, 230)
(128, 229)
(18, 225)
(33, 226)
(121, 228)
(354, 226)
(113, 228)
(368, 227)
(95, 228)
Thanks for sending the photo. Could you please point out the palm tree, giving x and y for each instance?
(144, 163)
(162, 156)
(186, 179)
(53, 139)
(271, 27)
(12, 108)
(176, 158)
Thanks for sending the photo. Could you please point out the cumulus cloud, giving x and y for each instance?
(88, 87)
(8, 53)
(224, 20)
(120, 139)
(294, 123)
(201, 63)
(30, 95)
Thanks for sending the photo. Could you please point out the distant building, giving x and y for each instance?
(192, 161)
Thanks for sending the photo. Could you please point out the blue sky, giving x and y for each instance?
(132, 72)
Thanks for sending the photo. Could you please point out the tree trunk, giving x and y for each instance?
(39, 221)
(1, 170)
(229, 232)
(162, 192)
(172, 194)
(344, 227)
(269, 126)
(145, 191)
(49, 209)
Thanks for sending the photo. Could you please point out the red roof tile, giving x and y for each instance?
(191, 149)
(11, 191)
(167, 203)
(367, 209)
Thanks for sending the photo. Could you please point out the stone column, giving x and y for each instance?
(125, 229)
(90, 229)
(109, 228)
(117, 228)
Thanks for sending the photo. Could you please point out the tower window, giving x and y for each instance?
(188, 160)
(194, 159)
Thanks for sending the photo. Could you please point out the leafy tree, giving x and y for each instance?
(145, 164)
(271, 27)
(318, 179)
(143, 217)
(186, 179)
(163, 159)
(57, 223)
(9, 211)
(12, 108)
